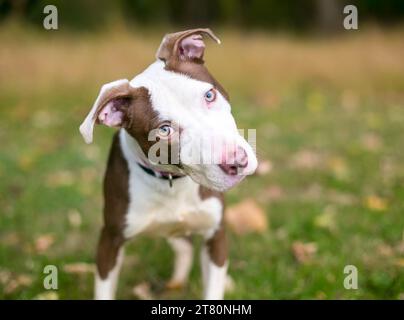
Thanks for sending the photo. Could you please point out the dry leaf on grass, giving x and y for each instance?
(79, 267)
(21, 280)
(399, 262)
(306, 159)
(264, 167)
(274, 192)
(48, 295)
(371, 142)
(74, 218)
(43, 242)
(304, 252)
(61, 178)
(326, 220)
(245, 217)
(5, 276)
(376, 203)
(143, 291)
(385, 250)
(339, 167)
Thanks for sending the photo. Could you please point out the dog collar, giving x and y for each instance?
(161, 174)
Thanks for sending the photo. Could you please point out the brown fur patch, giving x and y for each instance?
(194, 68)
(116, 200)
(217, 245)
(141, 118)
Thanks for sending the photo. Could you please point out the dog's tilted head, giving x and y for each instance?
(178, 115)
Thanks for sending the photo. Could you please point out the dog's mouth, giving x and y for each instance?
(214, 177)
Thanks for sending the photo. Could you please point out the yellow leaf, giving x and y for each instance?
(339, 168)
(326, 219)
(48, 295)
(400, 262)
(376, 203)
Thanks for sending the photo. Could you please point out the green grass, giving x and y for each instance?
(47, 172)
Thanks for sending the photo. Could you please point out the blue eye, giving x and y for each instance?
(165, 131)
(210, 96)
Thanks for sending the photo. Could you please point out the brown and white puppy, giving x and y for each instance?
(175, 103)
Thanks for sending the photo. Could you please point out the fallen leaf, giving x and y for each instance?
(376, 203)
(371, 142)
(339, 168)
(264, 167)
(43, 242)
(21, 280)
(60, 179)
(385, 250)
(26, 161)
(48, 295)
(399, 262)
(274, 192)
(79, 268)
(326, 220)
(245, 217)
(306, 159)
(304, 252)
(143, 291)
(74, 218)
(5, 276)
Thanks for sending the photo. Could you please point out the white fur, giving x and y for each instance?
(183, 251)
(213, 277)
(87, 127)
(105, 289)
(155, 208)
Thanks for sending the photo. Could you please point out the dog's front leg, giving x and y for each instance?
(214, 265)
(183, 252)
(109, 260)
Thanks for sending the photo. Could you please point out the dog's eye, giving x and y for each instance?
(165, 131)
(210, 96)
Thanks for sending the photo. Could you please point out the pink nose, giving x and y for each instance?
(233, 160)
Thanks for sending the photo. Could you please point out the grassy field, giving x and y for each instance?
(330, 122)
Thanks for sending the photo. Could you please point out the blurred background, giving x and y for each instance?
(327, 104)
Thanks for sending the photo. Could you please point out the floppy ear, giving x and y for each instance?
(184, 45)
(110, 107)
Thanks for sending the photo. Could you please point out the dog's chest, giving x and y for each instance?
(157, 209)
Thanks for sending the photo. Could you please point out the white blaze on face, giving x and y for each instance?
(205, 127)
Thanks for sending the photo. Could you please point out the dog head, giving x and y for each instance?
(178, 114)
